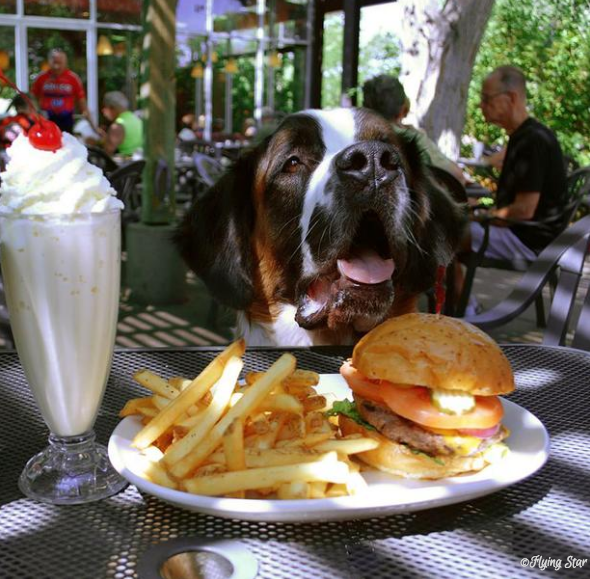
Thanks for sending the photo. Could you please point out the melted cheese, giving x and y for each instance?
(462, 445)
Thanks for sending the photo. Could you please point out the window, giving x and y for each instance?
(58, 8)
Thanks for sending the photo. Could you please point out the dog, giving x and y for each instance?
(321, 232)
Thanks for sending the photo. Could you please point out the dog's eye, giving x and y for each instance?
(291, 164)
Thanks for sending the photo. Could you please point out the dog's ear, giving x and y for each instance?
(438, 238)
(214, 237)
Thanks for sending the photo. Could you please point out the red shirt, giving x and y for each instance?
(58, 94)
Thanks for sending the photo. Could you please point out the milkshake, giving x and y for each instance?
(60, 247)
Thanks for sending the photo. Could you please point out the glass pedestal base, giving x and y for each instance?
(70, 471)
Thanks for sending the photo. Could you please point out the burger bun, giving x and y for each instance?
(435, 351)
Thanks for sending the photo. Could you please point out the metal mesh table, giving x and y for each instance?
(546, 516)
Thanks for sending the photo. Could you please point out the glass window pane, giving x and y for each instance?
(379, 48)
(7, 65)
(236, 17)
(58, 8)
(118, 65)
(332, 59)
(72, 42)
(119, 11)
(290, 21)
(7, 6)
(289, 81)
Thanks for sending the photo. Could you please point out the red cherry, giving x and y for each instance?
(45, 135)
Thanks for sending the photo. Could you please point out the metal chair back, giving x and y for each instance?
(100, 158)
(208, 168)
(577, 189)
(563, 258)
(125, 181)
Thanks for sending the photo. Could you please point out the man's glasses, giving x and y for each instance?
(487, 98)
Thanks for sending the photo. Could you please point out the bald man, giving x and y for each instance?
(532, 182)
(58, 90)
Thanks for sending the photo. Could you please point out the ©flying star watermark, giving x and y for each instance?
(542, 563)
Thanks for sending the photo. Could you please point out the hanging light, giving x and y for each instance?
(231, 66)
(4, 60)
(197, 70)
(274, 59)
(104, 47)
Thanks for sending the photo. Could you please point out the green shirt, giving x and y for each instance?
(133, 133)
(430, 153)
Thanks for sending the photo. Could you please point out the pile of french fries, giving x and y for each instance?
(267, 438)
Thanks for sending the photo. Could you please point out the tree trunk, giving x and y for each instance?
(158, 93)
(439, 43)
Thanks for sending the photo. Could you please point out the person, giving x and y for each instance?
(58, 90)
(125, 133)
(13, 125)
(532, 182)
(386, 95)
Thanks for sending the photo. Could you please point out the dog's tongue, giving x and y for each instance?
(366, 267)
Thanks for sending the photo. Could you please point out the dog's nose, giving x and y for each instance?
(368, 161)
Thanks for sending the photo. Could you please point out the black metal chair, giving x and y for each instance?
(563, 258)
(208, 168)
(578, 187)
(100, 158)
(125, 181)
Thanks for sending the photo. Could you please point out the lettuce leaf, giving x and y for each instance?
(349, 409)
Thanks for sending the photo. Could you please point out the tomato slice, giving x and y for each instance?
(359, 384)
(415, 404)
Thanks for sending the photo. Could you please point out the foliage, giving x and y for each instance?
(332, 59)
(550, 42)
(379, 55)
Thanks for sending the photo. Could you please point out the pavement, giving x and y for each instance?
(197, 322)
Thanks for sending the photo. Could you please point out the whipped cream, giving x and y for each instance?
(38, 182)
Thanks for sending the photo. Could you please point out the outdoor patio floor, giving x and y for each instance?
(190, 323)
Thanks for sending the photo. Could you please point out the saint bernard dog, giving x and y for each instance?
(321, 232)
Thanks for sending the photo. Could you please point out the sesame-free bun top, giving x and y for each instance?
(434, 351)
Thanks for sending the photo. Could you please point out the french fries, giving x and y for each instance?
(267, 438)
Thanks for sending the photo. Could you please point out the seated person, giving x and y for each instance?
(125, 134)
(385, 94)
(13, 125)
(532, 183)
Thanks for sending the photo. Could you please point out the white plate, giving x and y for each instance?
(386, 495)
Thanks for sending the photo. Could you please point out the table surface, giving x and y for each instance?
(545, 519)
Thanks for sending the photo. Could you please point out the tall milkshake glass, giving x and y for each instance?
(62, 276)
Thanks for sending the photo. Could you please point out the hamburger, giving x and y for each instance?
(426, 387)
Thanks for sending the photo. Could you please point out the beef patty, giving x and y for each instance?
(399, 429)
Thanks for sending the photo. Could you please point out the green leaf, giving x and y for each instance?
(349, 409)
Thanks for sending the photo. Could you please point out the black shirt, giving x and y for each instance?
(534, 162)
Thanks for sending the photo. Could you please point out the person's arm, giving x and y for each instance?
(496, 160)
(114, 138)
(522, 209)
(82, 104)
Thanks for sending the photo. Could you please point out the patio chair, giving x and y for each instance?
(578, 187)
(208, 168)
(564, 258)
(125, 181)
(100, 158)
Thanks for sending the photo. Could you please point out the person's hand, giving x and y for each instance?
(481, 214)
